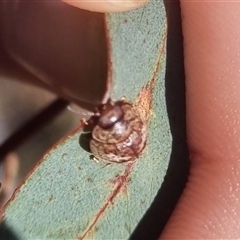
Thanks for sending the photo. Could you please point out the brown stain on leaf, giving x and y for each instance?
(50, 198)
(90, 180)
(144, 99)
(119, 184)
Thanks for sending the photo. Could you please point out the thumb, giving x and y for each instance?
(209, 206)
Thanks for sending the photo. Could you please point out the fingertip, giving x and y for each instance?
(108, 5)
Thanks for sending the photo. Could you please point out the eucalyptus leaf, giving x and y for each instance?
(69, 196)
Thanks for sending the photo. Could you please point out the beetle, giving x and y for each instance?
(118, 133)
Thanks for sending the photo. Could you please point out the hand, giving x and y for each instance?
(209, 206)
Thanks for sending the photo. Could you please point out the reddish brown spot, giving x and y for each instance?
(90, 180)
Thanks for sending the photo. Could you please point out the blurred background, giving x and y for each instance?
(20, 104)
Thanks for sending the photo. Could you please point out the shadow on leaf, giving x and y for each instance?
(7, 233)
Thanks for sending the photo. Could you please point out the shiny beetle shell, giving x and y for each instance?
(119, 134)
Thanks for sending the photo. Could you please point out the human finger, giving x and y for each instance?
(209, 206)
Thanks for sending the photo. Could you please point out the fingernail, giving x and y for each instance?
(128, 4)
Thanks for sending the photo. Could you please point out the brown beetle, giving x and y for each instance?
(119, 133)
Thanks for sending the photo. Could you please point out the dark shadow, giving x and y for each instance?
(7, 233)
(84, 141)
(153, 222)
(86, 136)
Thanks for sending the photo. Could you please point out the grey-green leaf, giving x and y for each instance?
(69, 196)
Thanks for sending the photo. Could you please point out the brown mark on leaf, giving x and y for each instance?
(119, 185)
(50, 198)
(144, 99)
(90, 180)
